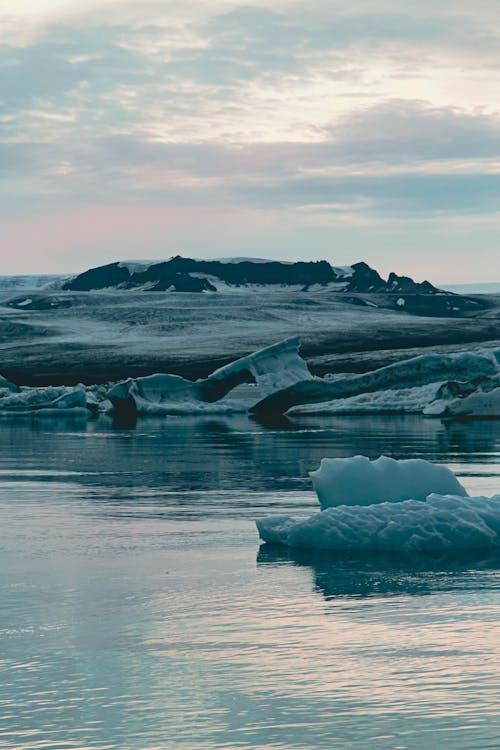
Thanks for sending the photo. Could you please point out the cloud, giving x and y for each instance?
(397, 157)
(359, 112)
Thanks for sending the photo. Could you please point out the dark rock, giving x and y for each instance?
(112, 275)
(177, 274)
(365, 279)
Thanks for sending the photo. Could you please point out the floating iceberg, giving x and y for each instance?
(50, 400)
(434, 523)
(473, 399)
(441, 523)
(391, 401)
(359, 481)
(431, 370)
(274, 368)
(6, 386)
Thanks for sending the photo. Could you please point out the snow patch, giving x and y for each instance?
(343, 271)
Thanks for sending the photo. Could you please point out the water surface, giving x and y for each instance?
(139, 611)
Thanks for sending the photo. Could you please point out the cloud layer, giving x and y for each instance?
(226, 128)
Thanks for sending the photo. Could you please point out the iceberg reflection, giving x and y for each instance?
(359, 575)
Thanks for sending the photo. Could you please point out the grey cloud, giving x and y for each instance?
(395, 133)
(404, 129)
(49, 69)
(392, 196)
(408, 134)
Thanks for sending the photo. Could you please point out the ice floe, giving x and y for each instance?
(437, 522)
(50, 400)
(440, 523)
(461, 385)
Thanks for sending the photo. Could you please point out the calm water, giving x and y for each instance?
(138, 612)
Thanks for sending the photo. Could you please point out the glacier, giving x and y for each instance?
(434, 522)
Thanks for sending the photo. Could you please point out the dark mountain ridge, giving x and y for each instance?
(188, 275)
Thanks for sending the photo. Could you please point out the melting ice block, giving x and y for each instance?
(388, 505)
(441, 523)
(359, 481)
(52, 399)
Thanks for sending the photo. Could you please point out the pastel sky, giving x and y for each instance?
(362, 130)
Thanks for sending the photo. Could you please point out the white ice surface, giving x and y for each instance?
(359, 481)
(390, 401)
(273, 368)
(478, 404)
(441, 523)
(56, 398)
(33, 282)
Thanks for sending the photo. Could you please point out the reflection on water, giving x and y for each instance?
(134, 614)
(362, 575)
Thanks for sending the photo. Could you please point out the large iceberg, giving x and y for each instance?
(276, 367)
(437, 522)
(429, 371)
(359, 481)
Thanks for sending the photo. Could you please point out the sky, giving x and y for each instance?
(367, 130)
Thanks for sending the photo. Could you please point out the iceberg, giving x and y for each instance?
(439, 524)
(359, 481)
(50, 400)
(6, 386)
(424, 370)
(472, 399)
(276, 367)
(405, 520)
(391, 401)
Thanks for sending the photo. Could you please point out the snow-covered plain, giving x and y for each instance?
(378, 356)
(424, 521)
(95, 337)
